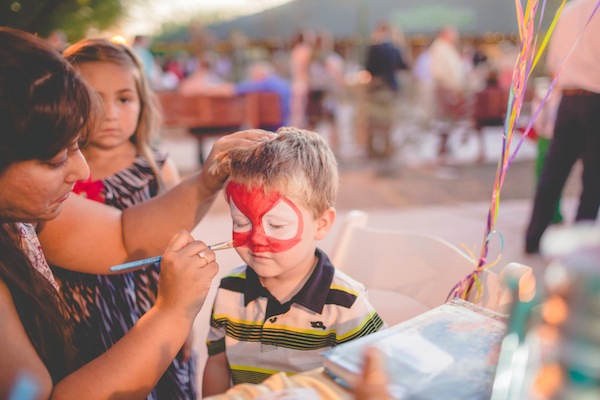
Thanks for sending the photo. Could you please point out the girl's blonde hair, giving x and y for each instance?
(150, 118)
(295, 162)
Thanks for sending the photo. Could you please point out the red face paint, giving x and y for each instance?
(254, 204)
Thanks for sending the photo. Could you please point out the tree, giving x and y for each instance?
(74, 17)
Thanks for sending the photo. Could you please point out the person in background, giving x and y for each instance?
(424, 89)
(446, 63)
(261, 78)
(125, 170)
(383, 62)
(449, 77)
(327, 87)
(204, 79)
(543, 126)
(573, 48)
(46, 111)
(302, 50)
(141, 47)
(288, 303)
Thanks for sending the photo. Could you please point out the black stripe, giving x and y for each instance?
(233, 283)
(216, 347)
(340, 298)
(292, 339)
(242, 376)
(374, 324)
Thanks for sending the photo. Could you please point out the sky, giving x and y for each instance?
(147, 19)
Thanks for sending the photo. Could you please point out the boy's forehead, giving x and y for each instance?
(258, 189)
(275, 193)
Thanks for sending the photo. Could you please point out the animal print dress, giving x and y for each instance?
(105, 307)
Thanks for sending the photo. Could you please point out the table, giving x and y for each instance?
(466, 338)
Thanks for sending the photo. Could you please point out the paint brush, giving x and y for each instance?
(134, 264)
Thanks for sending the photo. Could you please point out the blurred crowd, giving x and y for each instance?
(385, 83)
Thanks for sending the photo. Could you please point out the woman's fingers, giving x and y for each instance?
(217, 164)
(244, 138)
(185, 276)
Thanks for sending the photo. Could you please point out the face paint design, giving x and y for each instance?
(263, 223)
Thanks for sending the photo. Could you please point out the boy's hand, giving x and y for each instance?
(373, 383)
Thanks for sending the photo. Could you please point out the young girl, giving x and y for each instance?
(125, 170)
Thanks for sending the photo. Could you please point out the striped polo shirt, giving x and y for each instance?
(262, 336)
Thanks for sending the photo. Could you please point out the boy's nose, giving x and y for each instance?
(258, 237)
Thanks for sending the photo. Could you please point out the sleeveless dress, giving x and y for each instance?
(105, 307)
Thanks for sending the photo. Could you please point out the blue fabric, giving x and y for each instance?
(271, 83)
(383, 61)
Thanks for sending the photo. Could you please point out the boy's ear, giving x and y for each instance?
(324, 223)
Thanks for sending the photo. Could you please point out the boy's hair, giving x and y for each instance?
(150, 118)
(296, 163)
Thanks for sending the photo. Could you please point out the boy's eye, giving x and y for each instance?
(276, 226)
(281, 230)
(241, 224)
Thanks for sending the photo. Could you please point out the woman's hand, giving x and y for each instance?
(215, 170)
(187, 269)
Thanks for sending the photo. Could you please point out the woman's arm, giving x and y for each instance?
(133, 366)
(17, 354)
(90, 237)
(217, 376)
(170, 173)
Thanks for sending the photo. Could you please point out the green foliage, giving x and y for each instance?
(74, 17)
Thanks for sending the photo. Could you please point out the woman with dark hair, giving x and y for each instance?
(46, 112)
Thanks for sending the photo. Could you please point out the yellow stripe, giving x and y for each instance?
(237, 275)
(344, 289)
(253, 369)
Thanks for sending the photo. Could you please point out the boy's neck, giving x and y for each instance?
(284, 289)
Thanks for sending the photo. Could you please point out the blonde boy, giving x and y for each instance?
(288, 303)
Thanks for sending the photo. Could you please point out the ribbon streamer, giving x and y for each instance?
(527, 59)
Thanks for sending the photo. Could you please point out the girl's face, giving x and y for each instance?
(273, 234)
(34, 190)
(116, 85)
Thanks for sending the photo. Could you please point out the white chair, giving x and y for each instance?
(407, 273)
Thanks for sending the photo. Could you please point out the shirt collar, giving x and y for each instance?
(312, 295)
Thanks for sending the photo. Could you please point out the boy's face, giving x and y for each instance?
(274, 234)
